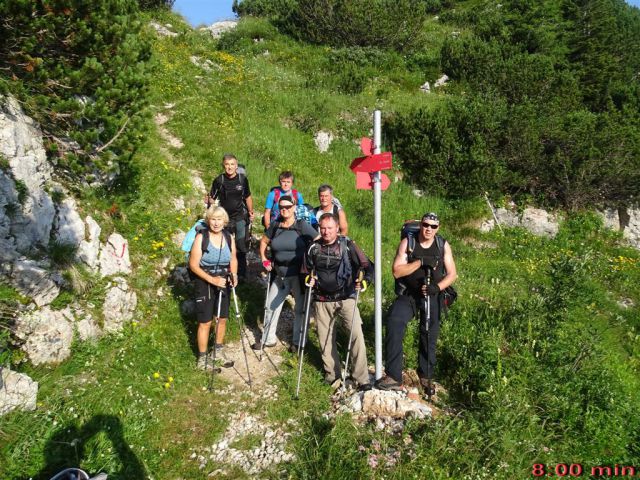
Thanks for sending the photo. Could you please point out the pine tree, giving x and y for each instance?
(80, 70)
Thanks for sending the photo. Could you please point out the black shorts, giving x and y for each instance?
(207, 296)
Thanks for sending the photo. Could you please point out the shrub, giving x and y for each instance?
(387, 24)
(80, 71)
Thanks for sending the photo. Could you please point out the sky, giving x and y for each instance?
(208, 11)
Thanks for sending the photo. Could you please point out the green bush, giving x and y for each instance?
(274, 9)
(80, 70)
(387, 24)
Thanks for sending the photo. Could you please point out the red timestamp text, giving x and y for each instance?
(577, 470)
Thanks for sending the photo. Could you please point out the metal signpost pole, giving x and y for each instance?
(377, 243)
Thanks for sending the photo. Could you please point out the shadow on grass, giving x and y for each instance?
(67, 448)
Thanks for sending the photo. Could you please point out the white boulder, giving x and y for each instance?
(114, 256)
(33, 281)
(47, 335)
(17, 391)
(323, 140)
(90, 245)
(217, 29)
(119, 305)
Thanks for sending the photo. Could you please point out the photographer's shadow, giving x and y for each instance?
(66, 449)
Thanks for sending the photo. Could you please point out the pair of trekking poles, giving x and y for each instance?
(215, 369)
(302, 335)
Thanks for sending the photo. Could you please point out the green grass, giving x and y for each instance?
(540, 361)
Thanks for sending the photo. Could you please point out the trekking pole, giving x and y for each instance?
(427, 301)
(241, 326)
(307, 300)
(215, 343)
(353, 317)
(304, 335)
(267, 314)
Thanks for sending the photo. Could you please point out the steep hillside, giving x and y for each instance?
(539, 359)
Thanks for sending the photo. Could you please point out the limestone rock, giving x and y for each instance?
(197, 182)
(162, 30)
(426, 87)
(442, 81)
(217, 29)
(380, 403)
(47, 335)
(178, 237)
(323, 140)
(119, 305)
(68, 226)
(87, 327)
(89, 248)
(632, 230)
(611, 218)
(17, 391)
(535, 220)
(114, 256)
(21, 144)
(34, 282)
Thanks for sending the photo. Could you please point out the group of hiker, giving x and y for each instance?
(305, 249)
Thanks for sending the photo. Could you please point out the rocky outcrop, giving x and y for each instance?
(28, 211)
(34, 281)
(217, 29)
(46, 335)
(17, 391)
(89, 247)
(68, 226)
(323, 140)
(537, 221)
(625, 220)
(114, 256)
(119, 305)
(163, 30)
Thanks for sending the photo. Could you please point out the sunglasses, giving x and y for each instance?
(429, 225)
(285, 207)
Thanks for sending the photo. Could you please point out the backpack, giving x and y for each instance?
(410, 230)
(200, 227)
(305, 212)
(219, 180)
(345, 268)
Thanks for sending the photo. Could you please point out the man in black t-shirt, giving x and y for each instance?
(232, 192)
(421, 277)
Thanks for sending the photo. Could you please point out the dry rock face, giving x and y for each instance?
(119, 305)
(163, 30)
(114, 256)
(89, 247)
(17, 391)
(33, 281)
(68, 226)
(32, 209)
(47, 335)
(323, 141)
(537, 221)
(217, 29)
(626, 220)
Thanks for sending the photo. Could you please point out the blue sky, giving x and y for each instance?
(209, 11)
(206, 11)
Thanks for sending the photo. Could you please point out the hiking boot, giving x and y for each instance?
(364, 387)
(293, 348)
(428, 388)
(389, 384)
(259, 346)
(206, 364)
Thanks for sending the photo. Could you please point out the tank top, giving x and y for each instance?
(215, 257)
(415, 280)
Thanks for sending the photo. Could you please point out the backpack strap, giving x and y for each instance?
(440, 241)
(335, 209)
(205, 238)
(215, 192)
(294, 195)
(411, 244)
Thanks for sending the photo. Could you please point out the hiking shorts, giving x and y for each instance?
(207, 296)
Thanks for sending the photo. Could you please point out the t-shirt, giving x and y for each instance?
(433, 256)
(318, 212)
(271, 203)
(232, 194)
(288, 245)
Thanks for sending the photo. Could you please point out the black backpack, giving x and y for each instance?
(410, 230)
(347, 257)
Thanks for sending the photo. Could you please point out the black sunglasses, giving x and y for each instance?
(285, 207)
(429, 225)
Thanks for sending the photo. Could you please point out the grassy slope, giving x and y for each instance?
(265, 109)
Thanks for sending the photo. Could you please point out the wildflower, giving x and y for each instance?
(170, 379)
(167, 385)
(156, 375)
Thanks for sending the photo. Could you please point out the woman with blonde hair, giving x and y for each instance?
(213, 261)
